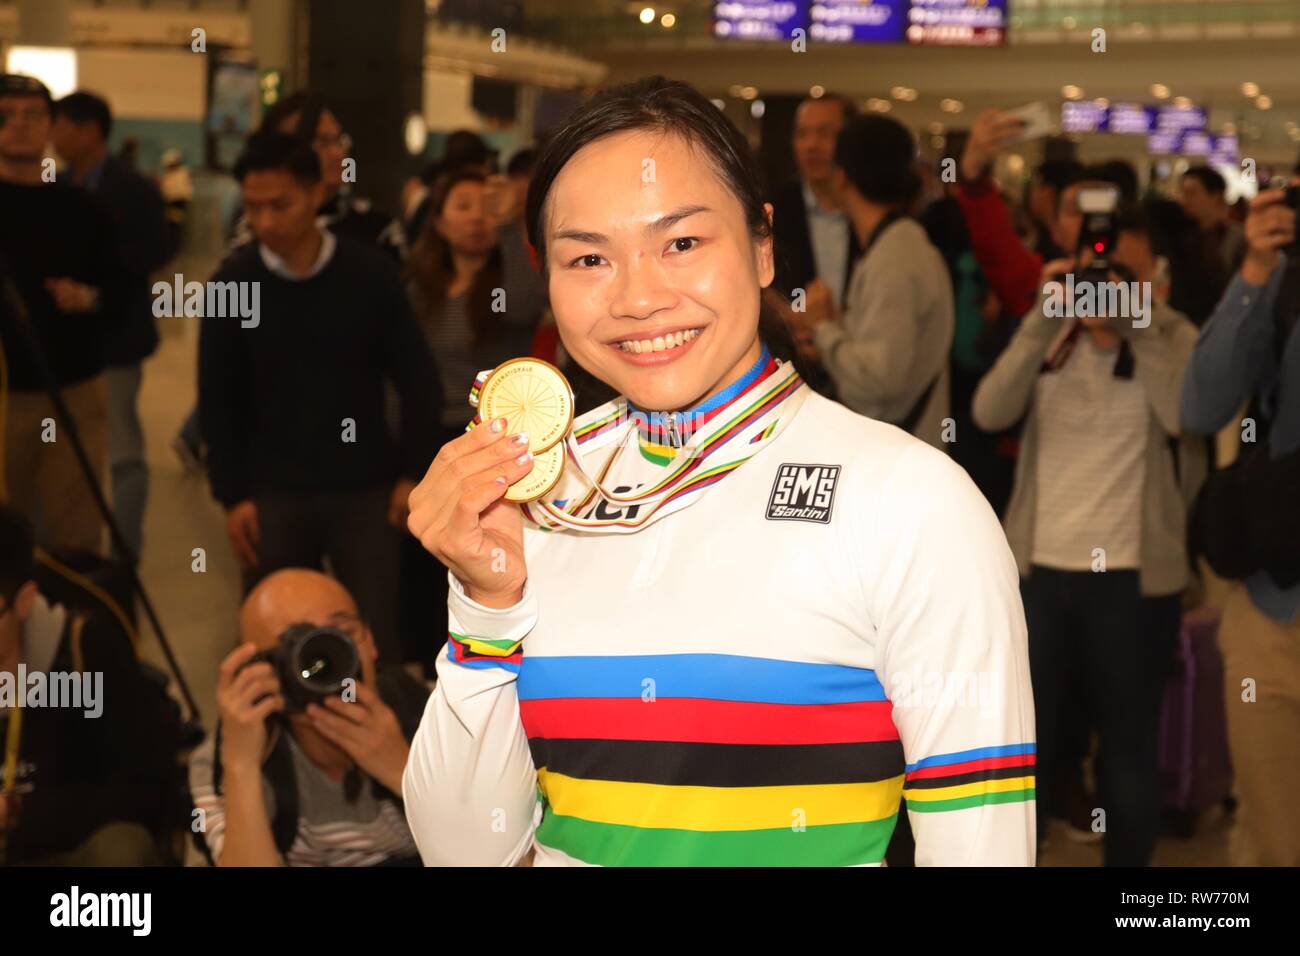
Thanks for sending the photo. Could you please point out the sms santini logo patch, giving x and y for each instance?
(803, 493)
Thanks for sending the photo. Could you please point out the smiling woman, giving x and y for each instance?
(684, 653)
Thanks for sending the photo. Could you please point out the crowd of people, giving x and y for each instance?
(909, 295)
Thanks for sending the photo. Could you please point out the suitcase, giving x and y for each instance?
(1195, 766)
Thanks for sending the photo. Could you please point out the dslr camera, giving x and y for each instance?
(1100, 208)
(312, 663)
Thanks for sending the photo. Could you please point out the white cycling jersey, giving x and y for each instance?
(819, 619)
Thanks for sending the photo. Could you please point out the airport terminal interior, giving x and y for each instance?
(1016, 150)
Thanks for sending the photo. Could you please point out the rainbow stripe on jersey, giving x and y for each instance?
(711, 759)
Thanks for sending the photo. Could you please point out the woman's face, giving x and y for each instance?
(654, 276)
(463, 222)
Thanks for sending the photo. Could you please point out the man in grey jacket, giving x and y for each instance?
(1096, 491)
(888, 352)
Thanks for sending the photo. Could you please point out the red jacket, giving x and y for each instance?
(1013, 270)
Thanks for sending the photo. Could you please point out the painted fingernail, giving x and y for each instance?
(524, 459)
(521, 439)
(501, 479)
(498, 426)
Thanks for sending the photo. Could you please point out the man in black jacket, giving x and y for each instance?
(58, 255)
(291, 391)
(82, 122)
(79, 784)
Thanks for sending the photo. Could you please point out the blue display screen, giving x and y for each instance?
(942, 22)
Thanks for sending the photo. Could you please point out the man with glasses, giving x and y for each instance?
(57, 253)
(318, 786)
(305, 117)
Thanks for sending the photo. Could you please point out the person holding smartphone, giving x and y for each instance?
(1249, 355)
(764, 620)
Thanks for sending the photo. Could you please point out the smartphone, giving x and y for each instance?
(1036, 117)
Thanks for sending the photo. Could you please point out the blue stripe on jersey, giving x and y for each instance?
(941, 760)
(709, 676)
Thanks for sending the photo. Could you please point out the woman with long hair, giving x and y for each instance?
(478, 300)
(747, 620)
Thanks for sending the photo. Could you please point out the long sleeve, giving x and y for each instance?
(953, 659)
(414, 376)
(1232, 356)
(470, 786)
(144, 244)
(1003, 394)
(870, 355)
(1160, 352)
(1013, 271)
(224, 384)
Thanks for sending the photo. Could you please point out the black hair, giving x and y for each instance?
(1210, 180)
(19, 84)
(1131, 217)
(17, 552)
(666, 106)
(279, 151)
(431, 268)
(308, 105)
(849, 108)
(81, 108)
(521, 163)
(465, 148)
(1058, 173)
(954, 144)
(877, 155)
(1197, 274)
(1116, 172)
(1119, 172)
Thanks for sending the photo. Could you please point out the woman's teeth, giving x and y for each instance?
(660, 343)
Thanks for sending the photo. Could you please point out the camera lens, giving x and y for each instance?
(323, 659)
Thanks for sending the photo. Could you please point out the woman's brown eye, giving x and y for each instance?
(677, 244)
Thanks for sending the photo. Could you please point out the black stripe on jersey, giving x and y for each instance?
(974, 776)
(673, 763)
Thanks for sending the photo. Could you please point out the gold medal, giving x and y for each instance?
(547, 468)
(534, 397)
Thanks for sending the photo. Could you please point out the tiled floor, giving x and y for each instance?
(198, 610)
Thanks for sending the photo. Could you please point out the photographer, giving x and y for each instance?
(1096, 490)
(1248, 520)
(317, 785)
